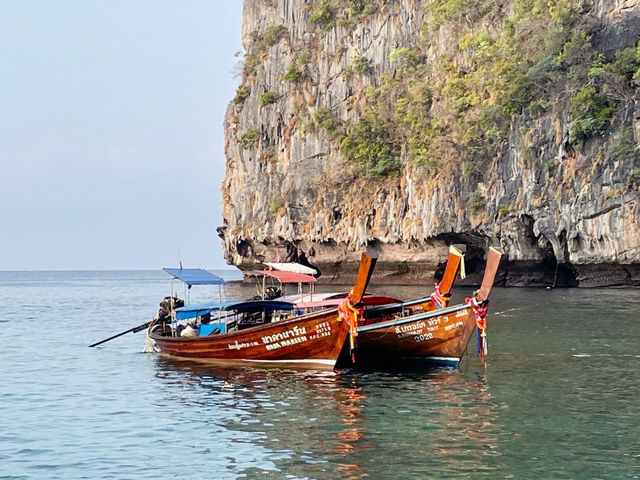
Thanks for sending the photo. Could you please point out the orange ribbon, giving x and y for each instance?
(350, 314)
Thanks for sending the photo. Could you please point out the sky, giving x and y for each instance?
(111, 131)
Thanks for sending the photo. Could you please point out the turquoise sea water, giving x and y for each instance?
(559, 396)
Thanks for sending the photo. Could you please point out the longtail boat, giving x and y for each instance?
(314, 338)
(425, 329)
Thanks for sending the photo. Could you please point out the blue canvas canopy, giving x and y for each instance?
(199, 309)
(194, 276)
(196, 310)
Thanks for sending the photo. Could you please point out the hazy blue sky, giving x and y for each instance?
(111, 136)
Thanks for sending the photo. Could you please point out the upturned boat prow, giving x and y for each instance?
(493, 263)
(455, 259)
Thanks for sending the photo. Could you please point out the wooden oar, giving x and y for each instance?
(133, 330)
(450, 271)
(368, 261)
(493, 262)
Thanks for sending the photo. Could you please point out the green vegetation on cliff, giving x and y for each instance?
(451, 110)
(248, 138)
(327, 14)
(372, 147)
(242, 93)
(455, 110)
(268, 97)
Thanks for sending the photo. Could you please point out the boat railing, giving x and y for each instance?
(399, 320)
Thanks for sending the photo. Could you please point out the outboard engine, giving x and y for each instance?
(269, 294)
(164, 314)
(272, 292)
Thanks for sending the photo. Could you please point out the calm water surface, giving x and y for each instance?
(559, 396)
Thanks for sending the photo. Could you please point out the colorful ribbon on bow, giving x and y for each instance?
(350, 314)
(480, 310)
(438, 299)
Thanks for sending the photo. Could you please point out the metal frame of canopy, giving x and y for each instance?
(286, 277)
(192, 311)
(194, 276)
(190, 277)
(231, 310)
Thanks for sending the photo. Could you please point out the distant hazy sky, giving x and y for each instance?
(111, 136)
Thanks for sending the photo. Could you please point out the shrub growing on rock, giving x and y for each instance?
(268, 97)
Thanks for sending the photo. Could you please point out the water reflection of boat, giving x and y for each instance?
(308, 423)
(317, 424)
(310, 339)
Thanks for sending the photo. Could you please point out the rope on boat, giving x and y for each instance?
(385, 332)
(480, 310)
(150, 345)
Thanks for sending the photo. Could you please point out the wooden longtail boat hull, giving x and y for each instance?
(420, 305)
(310, 339)
(439, 336)
(418, 330)
(315, 338)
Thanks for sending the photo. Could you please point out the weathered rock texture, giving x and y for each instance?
(563, 215)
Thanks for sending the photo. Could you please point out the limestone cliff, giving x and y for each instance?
(408, 125)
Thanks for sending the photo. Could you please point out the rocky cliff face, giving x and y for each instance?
(409, 125)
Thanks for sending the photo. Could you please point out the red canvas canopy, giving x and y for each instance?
(288, 277)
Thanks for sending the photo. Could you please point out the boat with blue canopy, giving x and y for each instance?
(257, 330)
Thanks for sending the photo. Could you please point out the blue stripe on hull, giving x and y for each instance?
(449, 362)
(402, 362)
